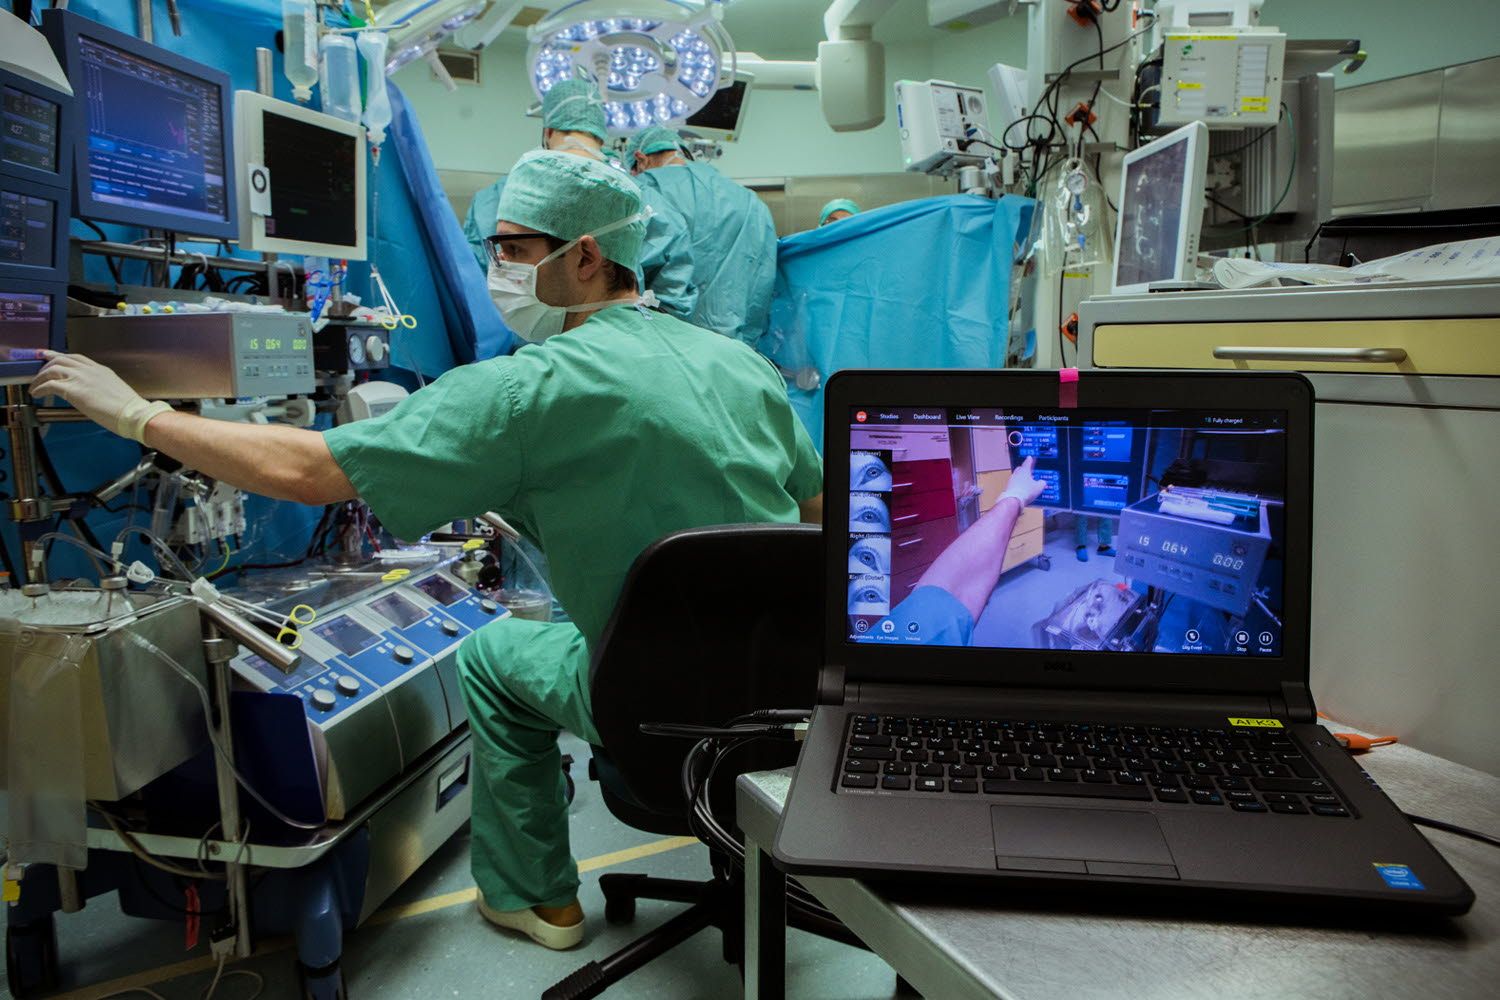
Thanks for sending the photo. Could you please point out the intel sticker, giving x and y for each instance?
(1399, 877)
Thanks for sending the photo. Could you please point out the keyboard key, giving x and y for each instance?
(1207, 798)
(1061, 774)
(1323, 799)
(1171, 795)
(1275, 771)
(1240, 796)
(929, 770)
(963, 771)
(1010, 759)
(896, 767)
(994, 772)
(859, 781)
(977, 758)
(861, 766)
(1041, 760)
(1108, 764)
(1300, 766)
(1029, 774)
(1095, 777)
(939, 744)
(1205, 767)
(1304, 785)
(1164, 780)
(1330, 810)
(1173, 767)
(1076, 789)
(929, 784)
(963, 785)
(1248, 807)
(1128, 778)
(946, 757)
(895, 783)
(1075, 762)
(1280, 797)
(1289, 808)
(872, 753)
(1199, 782)
(914, 756)
(1240, 770)
(868, 740)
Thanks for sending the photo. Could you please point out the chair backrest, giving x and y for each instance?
(711, 623)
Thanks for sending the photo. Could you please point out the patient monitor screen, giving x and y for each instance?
(312, 182)
(1104, 530)
(1151, 217)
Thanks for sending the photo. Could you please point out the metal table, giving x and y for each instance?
(1067, 952)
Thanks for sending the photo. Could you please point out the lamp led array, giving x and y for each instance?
(651, 69)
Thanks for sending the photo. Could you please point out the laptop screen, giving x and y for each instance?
(1134, 531)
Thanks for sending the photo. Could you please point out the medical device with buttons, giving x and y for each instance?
(225, 355)
(942, 125)
(377, 680)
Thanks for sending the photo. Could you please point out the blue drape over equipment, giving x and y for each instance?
(921, 284)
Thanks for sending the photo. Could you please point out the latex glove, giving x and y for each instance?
(97, 392)
(1023, 486)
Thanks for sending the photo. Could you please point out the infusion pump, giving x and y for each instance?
(942, 126)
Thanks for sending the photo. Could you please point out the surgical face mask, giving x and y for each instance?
(513, 290)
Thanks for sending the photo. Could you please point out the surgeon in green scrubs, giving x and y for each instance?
(710, 250)
(618, 425)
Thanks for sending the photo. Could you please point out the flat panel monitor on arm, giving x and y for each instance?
(723, 117)
(152, 145)
(301, 178)
(1161, 210)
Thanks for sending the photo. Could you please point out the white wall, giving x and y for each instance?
(481, 128)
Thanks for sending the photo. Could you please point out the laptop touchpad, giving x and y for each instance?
(1080, 841)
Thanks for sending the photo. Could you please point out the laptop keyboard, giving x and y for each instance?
(1242, 770)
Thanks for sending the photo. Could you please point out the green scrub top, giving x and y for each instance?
(480, 220)
(595, 443)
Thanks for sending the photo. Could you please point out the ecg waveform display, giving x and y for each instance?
(312, 182)
(156, 136)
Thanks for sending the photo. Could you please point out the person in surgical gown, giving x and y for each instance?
(616, 425)
(721, 229)
(572, 122)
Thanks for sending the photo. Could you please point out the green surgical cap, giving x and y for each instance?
(651, 139)
(570, 196)
(837, 205)
(574, 106)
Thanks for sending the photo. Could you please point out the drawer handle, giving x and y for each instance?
(907, 517)
(1363, 355)
(900, 486)
(914, 541)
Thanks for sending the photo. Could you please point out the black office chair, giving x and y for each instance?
(711, 623)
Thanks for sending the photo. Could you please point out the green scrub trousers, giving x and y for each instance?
(594, 444)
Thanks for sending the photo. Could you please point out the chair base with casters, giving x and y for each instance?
(685, 646)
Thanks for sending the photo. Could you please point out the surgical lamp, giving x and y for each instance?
(418, 27)
(655, 61)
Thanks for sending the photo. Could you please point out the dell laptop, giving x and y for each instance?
(1067, 643)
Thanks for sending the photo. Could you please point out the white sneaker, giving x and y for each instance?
(527, 922)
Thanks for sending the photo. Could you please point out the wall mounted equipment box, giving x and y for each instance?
(1223, 77)
(202, 355)
(942, 125)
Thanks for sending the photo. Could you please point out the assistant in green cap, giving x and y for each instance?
(649, 141)
(572, 196)
(838, 208)
(574, 106)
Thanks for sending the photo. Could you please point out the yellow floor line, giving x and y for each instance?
(205, 963)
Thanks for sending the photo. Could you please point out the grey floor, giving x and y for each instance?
(450, 952)
(1018, 602)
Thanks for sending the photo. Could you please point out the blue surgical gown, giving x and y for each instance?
(727, 234)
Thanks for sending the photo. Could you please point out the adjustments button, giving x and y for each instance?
(450, 628)
(348, 685)
(488, 606)
(404, 654)
(323, 700)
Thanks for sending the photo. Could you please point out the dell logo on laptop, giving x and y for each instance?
(1063, 665)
